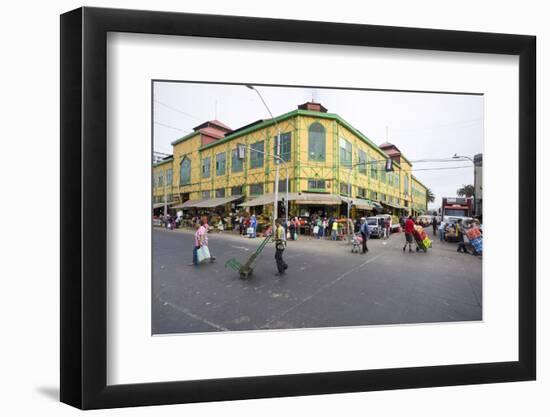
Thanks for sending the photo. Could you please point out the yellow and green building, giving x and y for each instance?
(205, 170)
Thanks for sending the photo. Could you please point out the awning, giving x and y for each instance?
(359, 203)
(362, 204)
(376, 205)
(299, 198)
(395, 206)
(261, 200)
(159, 205)
(215, 202)
(188, 204)
(318, 199)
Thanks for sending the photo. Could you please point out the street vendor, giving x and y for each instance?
(409, 228)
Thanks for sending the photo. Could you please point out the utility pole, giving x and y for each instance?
(277, 162)
(165, 197)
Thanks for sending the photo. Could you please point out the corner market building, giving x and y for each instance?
(205, 171)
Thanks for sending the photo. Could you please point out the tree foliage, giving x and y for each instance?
(466, 191)
(430, 196)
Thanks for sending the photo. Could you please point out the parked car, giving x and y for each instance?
(374, 226)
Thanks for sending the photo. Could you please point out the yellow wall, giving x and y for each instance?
(160, 188)
(264, 174)
(189, 148)
(301, 168)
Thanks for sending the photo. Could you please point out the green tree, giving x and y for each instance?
(430, 196)
(466, 191)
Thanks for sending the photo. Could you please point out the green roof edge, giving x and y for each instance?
(156, 164)
(297, 112)
(250, 129)
(183, 138)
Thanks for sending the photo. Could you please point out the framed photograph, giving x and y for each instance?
(257, 208)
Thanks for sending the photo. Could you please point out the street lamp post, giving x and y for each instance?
(456, 156)
(277, 159)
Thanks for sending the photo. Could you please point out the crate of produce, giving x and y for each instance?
(477, 244)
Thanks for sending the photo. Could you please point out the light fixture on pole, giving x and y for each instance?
(277, 162)
(241, 152)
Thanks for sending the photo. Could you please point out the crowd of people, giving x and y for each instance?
(320, 227)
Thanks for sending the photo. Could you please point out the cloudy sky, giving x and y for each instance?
(421, 125)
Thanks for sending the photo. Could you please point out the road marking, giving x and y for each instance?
(192, 315)
(318, 291)
(240, 247)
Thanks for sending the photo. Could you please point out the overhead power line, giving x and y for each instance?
(170, 127)
(442, 168)
(178, 110)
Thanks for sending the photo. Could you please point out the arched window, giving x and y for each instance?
(316, 142)
(185, 171)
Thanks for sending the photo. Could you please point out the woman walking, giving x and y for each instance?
(201, 241)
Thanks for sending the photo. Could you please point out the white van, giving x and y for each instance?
(374, 226)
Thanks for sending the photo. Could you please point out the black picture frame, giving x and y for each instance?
(84, 207)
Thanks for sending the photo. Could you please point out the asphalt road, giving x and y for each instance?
(325, 286)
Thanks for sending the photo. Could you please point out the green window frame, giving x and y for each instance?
(316, 142)
(169, 177)
(362, 159)
(373, 168)
(382, 168)
(282, 185)
(185, 171)
(205, 194)
(344, 189)
(256, 189)
(220, 193)
(205, 168)
(316, 184)
(362, 192)
(406, 184)
(220, 163)
(237, 190)
(345, 152)
(286, 146)
(236, 162)
(257, 155)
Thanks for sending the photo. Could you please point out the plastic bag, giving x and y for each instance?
(203, 254)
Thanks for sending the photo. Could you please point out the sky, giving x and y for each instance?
(421, 125)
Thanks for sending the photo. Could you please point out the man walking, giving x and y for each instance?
(434, 225)
(365, 234)
(460, 237)
(280, 245)
(409, 228)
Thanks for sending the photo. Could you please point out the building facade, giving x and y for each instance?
(324, 155)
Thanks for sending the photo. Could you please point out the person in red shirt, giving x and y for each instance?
(409, 227)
